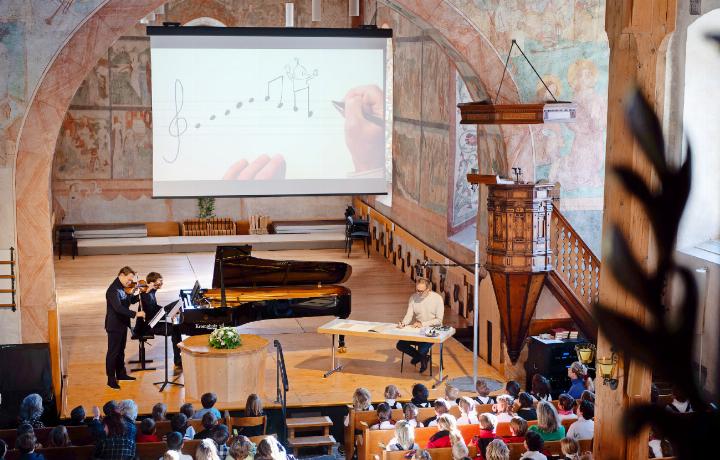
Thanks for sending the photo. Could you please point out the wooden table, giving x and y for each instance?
(386, 331)
(221, 371)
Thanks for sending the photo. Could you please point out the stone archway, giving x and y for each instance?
(36, 146)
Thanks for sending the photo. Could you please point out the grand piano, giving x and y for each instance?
(246, 289)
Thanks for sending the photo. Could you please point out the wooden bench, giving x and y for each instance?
(551, 448)
(373, 440)
(295, 424)
(442, 453)
(145, 451)
(80, 435)
(242, 422)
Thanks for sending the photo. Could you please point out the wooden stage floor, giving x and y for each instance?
(379, 293)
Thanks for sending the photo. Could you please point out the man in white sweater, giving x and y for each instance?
(427, 307)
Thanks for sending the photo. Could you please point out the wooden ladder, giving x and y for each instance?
(11, 278)
(310, 424)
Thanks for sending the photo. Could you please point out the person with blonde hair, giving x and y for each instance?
(518, 428)
(459, 448)
(268, 449)
(468, 416)
(404, 437)
(361, 401)
(579, 380)
(446, 424)
(410, 411)
(497, 450)
(207, 450)
(548, 427)
(241, 449)
(392, 393)
(452, 395)
(504, 408)
(570, 448)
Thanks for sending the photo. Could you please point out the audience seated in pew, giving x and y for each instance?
(452, 395)
(483, 392)
(31, 410)
(207, 450)
(118, 442)
(220, 436)
(77, 416)
(253, 408)
(27, 443)
(525, 406)
(534, 444)
(361, 402)
(503, 408)
(179, 423)
(468, 416)
(540, 388)
(209, 421)
(174, 441)
(241, 449)
(147, 431)
(497, 450)
(441, 407)
(159, 412)
(446, 424)
(488, 424)
(420, 395)
(566, 407)
(518, 429)
(584, 427)
(384, 415)
(512, 388)
(59, 437)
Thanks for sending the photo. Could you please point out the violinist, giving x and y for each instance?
(150, 306)
(122, 293)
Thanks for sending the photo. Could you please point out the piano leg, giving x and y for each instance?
(334, 368)
(341, 344)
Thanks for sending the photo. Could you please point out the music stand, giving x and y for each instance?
(167, 313)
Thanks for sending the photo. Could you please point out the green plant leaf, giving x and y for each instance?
(626, 270)
(646, 129)
(635, 184)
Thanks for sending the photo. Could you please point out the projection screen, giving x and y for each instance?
(267, 111)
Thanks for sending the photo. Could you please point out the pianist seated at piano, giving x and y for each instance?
(427, 308)
(150, 307)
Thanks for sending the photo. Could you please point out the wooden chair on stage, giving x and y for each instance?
(356, 231)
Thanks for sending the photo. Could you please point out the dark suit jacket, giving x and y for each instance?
(118, 313)
(149, 304)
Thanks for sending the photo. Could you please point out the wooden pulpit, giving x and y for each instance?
(519, 254)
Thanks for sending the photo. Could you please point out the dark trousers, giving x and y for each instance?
(115, 358)
(175, 337)
(415, 349)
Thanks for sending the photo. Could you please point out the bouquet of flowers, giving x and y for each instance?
(225, 337)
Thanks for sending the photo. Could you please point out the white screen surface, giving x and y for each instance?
(269, 115)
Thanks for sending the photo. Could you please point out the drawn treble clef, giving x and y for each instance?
(178, 124)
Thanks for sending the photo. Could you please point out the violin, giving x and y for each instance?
(139, 286)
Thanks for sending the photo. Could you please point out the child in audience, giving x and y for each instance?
(503, 408)
(483, 392)
(188, 410)
(26, 444)
(566, 405)
(513, 389)
(411, 413)
(588, 395)
(21, 430)
(526, 409)
(147, 431)
(159, 412)
(384, 414)
(452, 395)
(570, 448)
(268, 449)
(441, 407)
(679, 404)
(391, 395)
(207, 450)
(548, 426)
(518, 428)
(220, 435)
(579, 380)
(584, 427)
(208, 422)
(534, 444)
(59, 437)
(404, 437)
(540, 388)
(446, 424)
(208, 401)
(174, 443)
(242, 448)
(468, 416)
(179, 423)
(420, 395)
(77, 416)
(459, 448)
(497, 450)
(488, 424)
(361, 402)
(253, 408)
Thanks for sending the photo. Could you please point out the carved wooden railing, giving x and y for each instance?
(574, 261)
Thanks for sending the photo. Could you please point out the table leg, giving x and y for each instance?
(441, 378)
(334, 368)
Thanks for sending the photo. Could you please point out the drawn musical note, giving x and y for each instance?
(282, 85)
(178, 124)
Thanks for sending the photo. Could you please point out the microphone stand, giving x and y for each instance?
(167, 380)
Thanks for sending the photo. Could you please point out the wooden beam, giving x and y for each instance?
(635, 31)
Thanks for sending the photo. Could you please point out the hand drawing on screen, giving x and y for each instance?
(363, 109)
(262, 168)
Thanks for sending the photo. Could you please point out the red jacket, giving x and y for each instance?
(439, 439)
(148, 438)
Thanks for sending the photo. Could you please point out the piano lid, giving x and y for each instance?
(240, 269)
